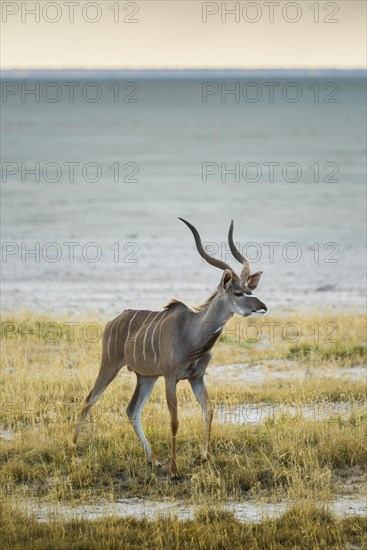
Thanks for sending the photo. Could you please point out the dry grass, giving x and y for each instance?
(303, 527)
(45, 375)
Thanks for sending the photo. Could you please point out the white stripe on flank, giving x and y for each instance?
(159, 340)
(108, 344)
(146, 333)
(112, 324)
(136, 337)
(128, 331)
(120, 317)
(155, 328)
(115, 320)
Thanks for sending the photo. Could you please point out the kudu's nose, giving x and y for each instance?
(260, 307)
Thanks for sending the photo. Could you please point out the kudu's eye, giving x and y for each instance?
(238, 293)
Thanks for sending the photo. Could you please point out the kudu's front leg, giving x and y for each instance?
(201, 394)
(172, 407)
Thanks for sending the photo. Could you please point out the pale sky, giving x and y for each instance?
(172, 34)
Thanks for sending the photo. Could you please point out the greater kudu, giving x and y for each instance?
(174, 343)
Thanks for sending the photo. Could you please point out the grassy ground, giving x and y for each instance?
(47, 369)
(303, 527)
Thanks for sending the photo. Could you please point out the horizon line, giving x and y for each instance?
(182, 70)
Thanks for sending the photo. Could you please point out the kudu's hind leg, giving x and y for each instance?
(144, 387)
(105, 376)
(201, 394)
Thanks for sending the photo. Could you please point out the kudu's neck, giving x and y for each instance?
(215, 312)
(209, 322)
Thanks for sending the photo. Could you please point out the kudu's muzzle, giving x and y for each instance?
(257, 306)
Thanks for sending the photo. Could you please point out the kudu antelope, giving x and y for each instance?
(174, 343)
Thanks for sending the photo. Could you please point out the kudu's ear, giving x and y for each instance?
(226, 280)
(253, 280)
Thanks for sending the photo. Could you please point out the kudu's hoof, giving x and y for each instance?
(154, 462)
